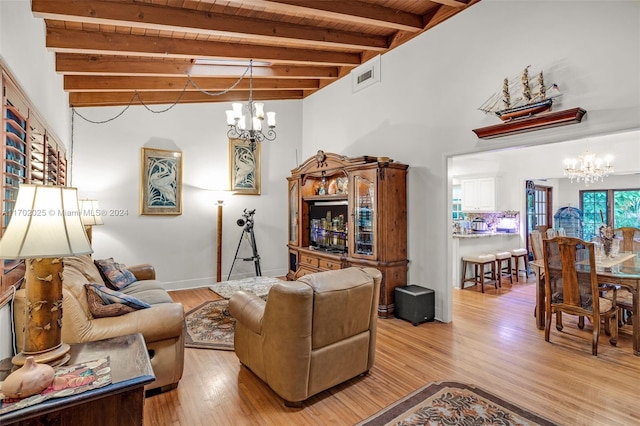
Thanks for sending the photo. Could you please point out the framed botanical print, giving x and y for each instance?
(161, 182)
(244, 167)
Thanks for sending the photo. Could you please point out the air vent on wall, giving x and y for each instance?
(366, 74)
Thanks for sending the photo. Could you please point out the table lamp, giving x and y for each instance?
(90, 215)
(45, 225)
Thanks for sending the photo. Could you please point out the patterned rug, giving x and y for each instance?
(210, 326)
(257, 285)
(453, 403)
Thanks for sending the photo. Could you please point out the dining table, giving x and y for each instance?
(622, 270)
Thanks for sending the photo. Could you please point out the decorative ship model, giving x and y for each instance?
(535, 97)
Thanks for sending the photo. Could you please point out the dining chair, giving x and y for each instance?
(571, 286)
(630, 238)
(551, 233)
(535, 242)
(630, 242)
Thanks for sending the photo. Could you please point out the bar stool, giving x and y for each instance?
(479, 262)
(516, 254)
(503, 271)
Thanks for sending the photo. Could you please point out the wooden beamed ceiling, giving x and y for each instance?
(162, 51)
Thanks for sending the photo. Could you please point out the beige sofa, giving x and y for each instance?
(310, 334)
(162, 325)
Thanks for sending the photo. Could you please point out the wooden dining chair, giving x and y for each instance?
(535, 242)
(630, 242)
(571, 286)
(630, 238)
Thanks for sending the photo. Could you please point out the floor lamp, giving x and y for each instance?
(219, 243)
(44, 227)
(220, 196)
(90, 215)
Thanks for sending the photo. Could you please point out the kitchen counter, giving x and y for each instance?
(485, 234)
(480, 243)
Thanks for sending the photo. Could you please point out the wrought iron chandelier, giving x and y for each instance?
(587, 168)
(246, 121)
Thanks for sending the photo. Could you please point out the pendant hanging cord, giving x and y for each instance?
(189, 81)
(250, 80)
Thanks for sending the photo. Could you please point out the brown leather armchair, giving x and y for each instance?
(310, 334)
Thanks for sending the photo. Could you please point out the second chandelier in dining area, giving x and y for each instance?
(588, 168)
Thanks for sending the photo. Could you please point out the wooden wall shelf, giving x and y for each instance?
(536, 122)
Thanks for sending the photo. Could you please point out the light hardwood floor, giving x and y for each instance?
(492, 343)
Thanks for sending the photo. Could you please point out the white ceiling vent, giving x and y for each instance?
(366, 74)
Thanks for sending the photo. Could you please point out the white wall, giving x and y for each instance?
(106, 166)
(23, 50)
(424, 109)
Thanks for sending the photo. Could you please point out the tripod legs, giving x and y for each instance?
(255, 258)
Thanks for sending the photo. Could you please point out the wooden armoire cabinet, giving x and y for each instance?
(349, 212)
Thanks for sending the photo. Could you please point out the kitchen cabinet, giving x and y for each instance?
(349, 212)
(479, 195)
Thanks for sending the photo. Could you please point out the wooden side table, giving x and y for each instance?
(120, 403)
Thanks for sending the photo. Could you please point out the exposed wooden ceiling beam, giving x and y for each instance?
(108, 65)
(93, 42)
(93, 99)
(113, 49)
(164, 18)
(81, 83)
(351, 11)
(452, 3)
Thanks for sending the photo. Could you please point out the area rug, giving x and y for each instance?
(453, 403)
(257, 285)
(210, 326)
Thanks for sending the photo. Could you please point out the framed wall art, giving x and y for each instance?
(161, 182)
(244, 167)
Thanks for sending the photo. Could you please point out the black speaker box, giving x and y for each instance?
(414, 303)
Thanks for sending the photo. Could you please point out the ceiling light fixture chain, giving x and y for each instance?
(588, 168)
(254, 113)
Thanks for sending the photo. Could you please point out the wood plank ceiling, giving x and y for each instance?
(117, 52)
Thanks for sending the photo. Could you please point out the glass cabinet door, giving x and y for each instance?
(364, 214)
(293, 212)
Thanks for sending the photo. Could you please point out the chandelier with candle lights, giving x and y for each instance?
(246, 120)
(588, 168)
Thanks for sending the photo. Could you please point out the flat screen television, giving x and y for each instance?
(328, 226)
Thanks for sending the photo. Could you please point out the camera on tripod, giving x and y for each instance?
(247, 219)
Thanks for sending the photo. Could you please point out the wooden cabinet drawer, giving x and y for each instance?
(309, 260)
(302, 271)
(329, 265)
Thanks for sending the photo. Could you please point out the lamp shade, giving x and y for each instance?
(90, 213)
(45, 223)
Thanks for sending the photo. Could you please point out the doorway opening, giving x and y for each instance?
(539, 210)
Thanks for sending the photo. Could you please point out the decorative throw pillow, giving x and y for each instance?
(115, 275)
(110, 296)
(98, 308)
